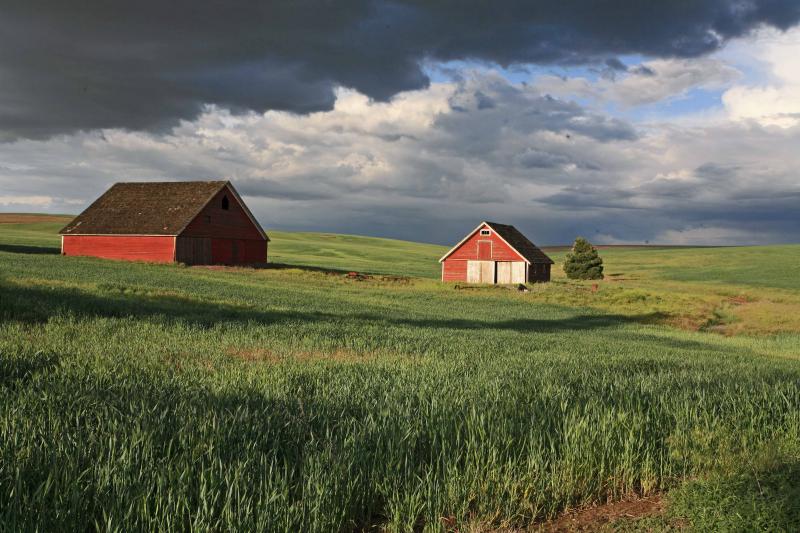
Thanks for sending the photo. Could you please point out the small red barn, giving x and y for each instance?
(192, 222)
(495, 253)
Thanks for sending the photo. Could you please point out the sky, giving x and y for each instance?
(624, 122)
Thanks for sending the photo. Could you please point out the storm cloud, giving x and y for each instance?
(147, 65)
(429, 163)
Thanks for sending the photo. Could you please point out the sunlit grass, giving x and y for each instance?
(160, 397)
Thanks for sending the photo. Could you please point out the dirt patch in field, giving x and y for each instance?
(739, 300)
(600, 516)
(22, 218)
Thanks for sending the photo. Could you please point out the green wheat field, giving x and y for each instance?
(138, 397)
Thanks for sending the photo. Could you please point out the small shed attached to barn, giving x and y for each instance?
(192, 222)
(495, 253)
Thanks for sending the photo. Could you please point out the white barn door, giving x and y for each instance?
(510, 272)
(480, 271)
(518, 269)
(504, 272)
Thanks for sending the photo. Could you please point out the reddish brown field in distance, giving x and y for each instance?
(25, 218)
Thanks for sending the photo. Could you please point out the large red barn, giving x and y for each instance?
(495, 253)
(192, 222)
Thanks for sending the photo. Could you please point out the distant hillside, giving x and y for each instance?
(760, 266)
(323, 250)
(32, 229)
(28, 218)
(351, 252)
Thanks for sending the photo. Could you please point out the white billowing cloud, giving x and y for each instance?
(647, 83)
(26, 201)
(776, 100)
(771, 106)
(430, 163)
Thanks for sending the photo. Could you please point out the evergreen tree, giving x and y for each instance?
(583, 262)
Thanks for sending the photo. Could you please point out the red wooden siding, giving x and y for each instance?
(500, 250)
(455, 270)
(238, 251)
(214, 221)
(222, 231)
(493, 250)
(155, 248)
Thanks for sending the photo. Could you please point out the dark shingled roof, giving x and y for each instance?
(514, 238)
(520, 243)
(150, 208)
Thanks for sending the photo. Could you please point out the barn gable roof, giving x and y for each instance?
(149, 208)
(514, 238)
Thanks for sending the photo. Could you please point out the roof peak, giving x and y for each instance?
(168, 181)
(511, 236)
(147, 208)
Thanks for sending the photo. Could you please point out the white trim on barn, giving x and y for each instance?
(471, 233)
(247, 211)
(118, 235)
(244, 207)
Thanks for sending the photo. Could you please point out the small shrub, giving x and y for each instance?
(583, 262)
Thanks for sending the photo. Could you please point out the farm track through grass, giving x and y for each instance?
(147, 397)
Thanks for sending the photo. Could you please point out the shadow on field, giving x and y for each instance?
(286, 266)
(280, 266)
(38, 304)
(18, 370)
(775, 492)
(25, 249)
(767, 497)
(578, 322)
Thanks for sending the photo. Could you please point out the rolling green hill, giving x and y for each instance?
(776, 266)
(324, 250)
(160, 397)
(354, 253)
(754, 289)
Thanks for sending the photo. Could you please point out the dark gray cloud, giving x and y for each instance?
(590, 196)
(643, 70)
(615, 64)
(299, 189)
(524, 111)
(415, 168)
(715, 171)
(145, 65)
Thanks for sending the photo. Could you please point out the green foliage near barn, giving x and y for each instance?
(583, 262)
(160, 397)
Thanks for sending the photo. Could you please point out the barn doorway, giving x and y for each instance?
(511, 272)
(481, 272)
(193, 250)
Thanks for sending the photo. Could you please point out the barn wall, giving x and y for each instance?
(214, 221)
(238, 251)
(454, 270)
(500, 250)
(156, 249)
(193, 250)
(539, 272)
(255, 251)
